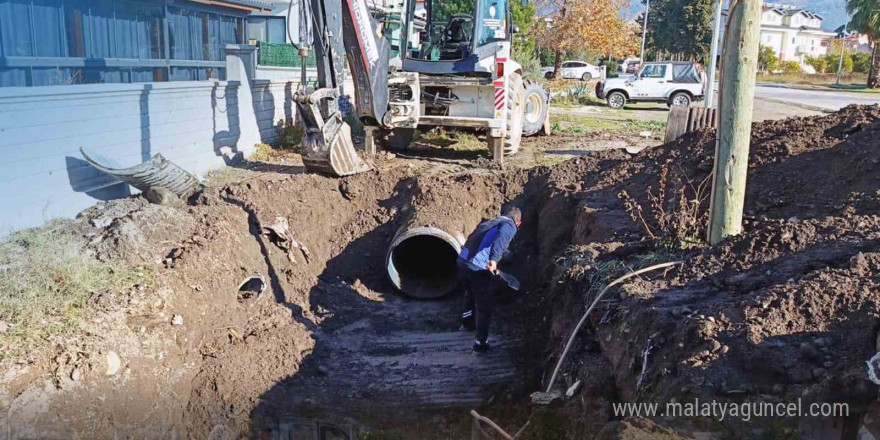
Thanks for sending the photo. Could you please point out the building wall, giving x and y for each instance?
(273, 107)
(773, 40)
(42, 173)
(197, 125)
(55, 42)
(279, 9)
(788, 41)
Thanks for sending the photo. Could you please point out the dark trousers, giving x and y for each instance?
(481, 288)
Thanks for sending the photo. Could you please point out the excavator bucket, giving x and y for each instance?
(327, 145)
(332, 153)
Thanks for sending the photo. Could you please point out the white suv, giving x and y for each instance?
(575, 69)
(672, 82)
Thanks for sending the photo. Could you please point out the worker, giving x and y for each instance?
(479, 259)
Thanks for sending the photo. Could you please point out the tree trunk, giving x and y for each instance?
(874, 71)
(557, 63)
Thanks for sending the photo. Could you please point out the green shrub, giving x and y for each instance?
(833, 60)
(818, 62)
(767, 59)
(790, 67)
(861, 62)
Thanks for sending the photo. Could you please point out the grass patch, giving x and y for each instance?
(653, 126)
(586, 124)
(47, 277)
(583, 124)
(458, 140)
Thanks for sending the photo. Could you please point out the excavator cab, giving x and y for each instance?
(448, 40)
(455, 37)
(426, 64)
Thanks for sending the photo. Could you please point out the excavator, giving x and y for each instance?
(414, 63)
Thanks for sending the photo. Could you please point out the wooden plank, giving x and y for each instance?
(676, 123)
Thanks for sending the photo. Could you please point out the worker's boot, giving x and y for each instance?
(481, 347)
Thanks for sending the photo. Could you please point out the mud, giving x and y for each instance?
(788, 309)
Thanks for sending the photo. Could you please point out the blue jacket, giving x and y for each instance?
(488, 242)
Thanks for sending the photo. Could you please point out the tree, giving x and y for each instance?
(866, 20)
(767, 59)
(592, 25)
(524, 48)
(861, 62)
(820, 63)
(680, 28)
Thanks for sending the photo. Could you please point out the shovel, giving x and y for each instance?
(511, 281)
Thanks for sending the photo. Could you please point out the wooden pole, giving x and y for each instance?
(735, 103)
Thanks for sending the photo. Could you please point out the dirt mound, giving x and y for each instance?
(789, 309)
(798, 167)
(637, 429)
(135, 232)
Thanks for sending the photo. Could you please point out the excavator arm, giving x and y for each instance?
(341, 28)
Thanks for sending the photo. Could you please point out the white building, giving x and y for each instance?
(793, 33)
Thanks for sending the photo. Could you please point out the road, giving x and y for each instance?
(819, 99)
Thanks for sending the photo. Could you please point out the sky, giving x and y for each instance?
(834, 11)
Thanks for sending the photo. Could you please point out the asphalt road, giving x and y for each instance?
(820, 99)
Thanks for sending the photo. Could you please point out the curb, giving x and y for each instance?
(797, 104)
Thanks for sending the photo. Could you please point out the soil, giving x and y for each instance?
(789, 309)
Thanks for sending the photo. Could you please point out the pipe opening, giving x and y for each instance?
(424, 265)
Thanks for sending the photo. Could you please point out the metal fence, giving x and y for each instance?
(283, 55)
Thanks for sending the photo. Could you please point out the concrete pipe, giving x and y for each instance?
(422, 261)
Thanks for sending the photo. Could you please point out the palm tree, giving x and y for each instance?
(866, 20)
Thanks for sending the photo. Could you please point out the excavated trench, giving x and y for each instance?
(358, 327)
(373, 341)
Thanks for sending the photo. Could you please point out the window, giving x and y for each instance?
(492, 24)
(268, 29)
(56, 42)
(654, 71)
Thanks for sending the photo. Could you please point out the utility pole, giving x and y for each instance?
(736, 103)
(716, 34)
(644, 32)
(842, 42)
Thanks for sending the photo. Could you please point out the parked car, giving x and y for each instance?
(672, 82)
(575, 69)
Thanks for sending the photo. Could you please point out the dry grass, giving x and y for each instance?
(290, 135)
(677, 213)
(822, 79)
(47, 277)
